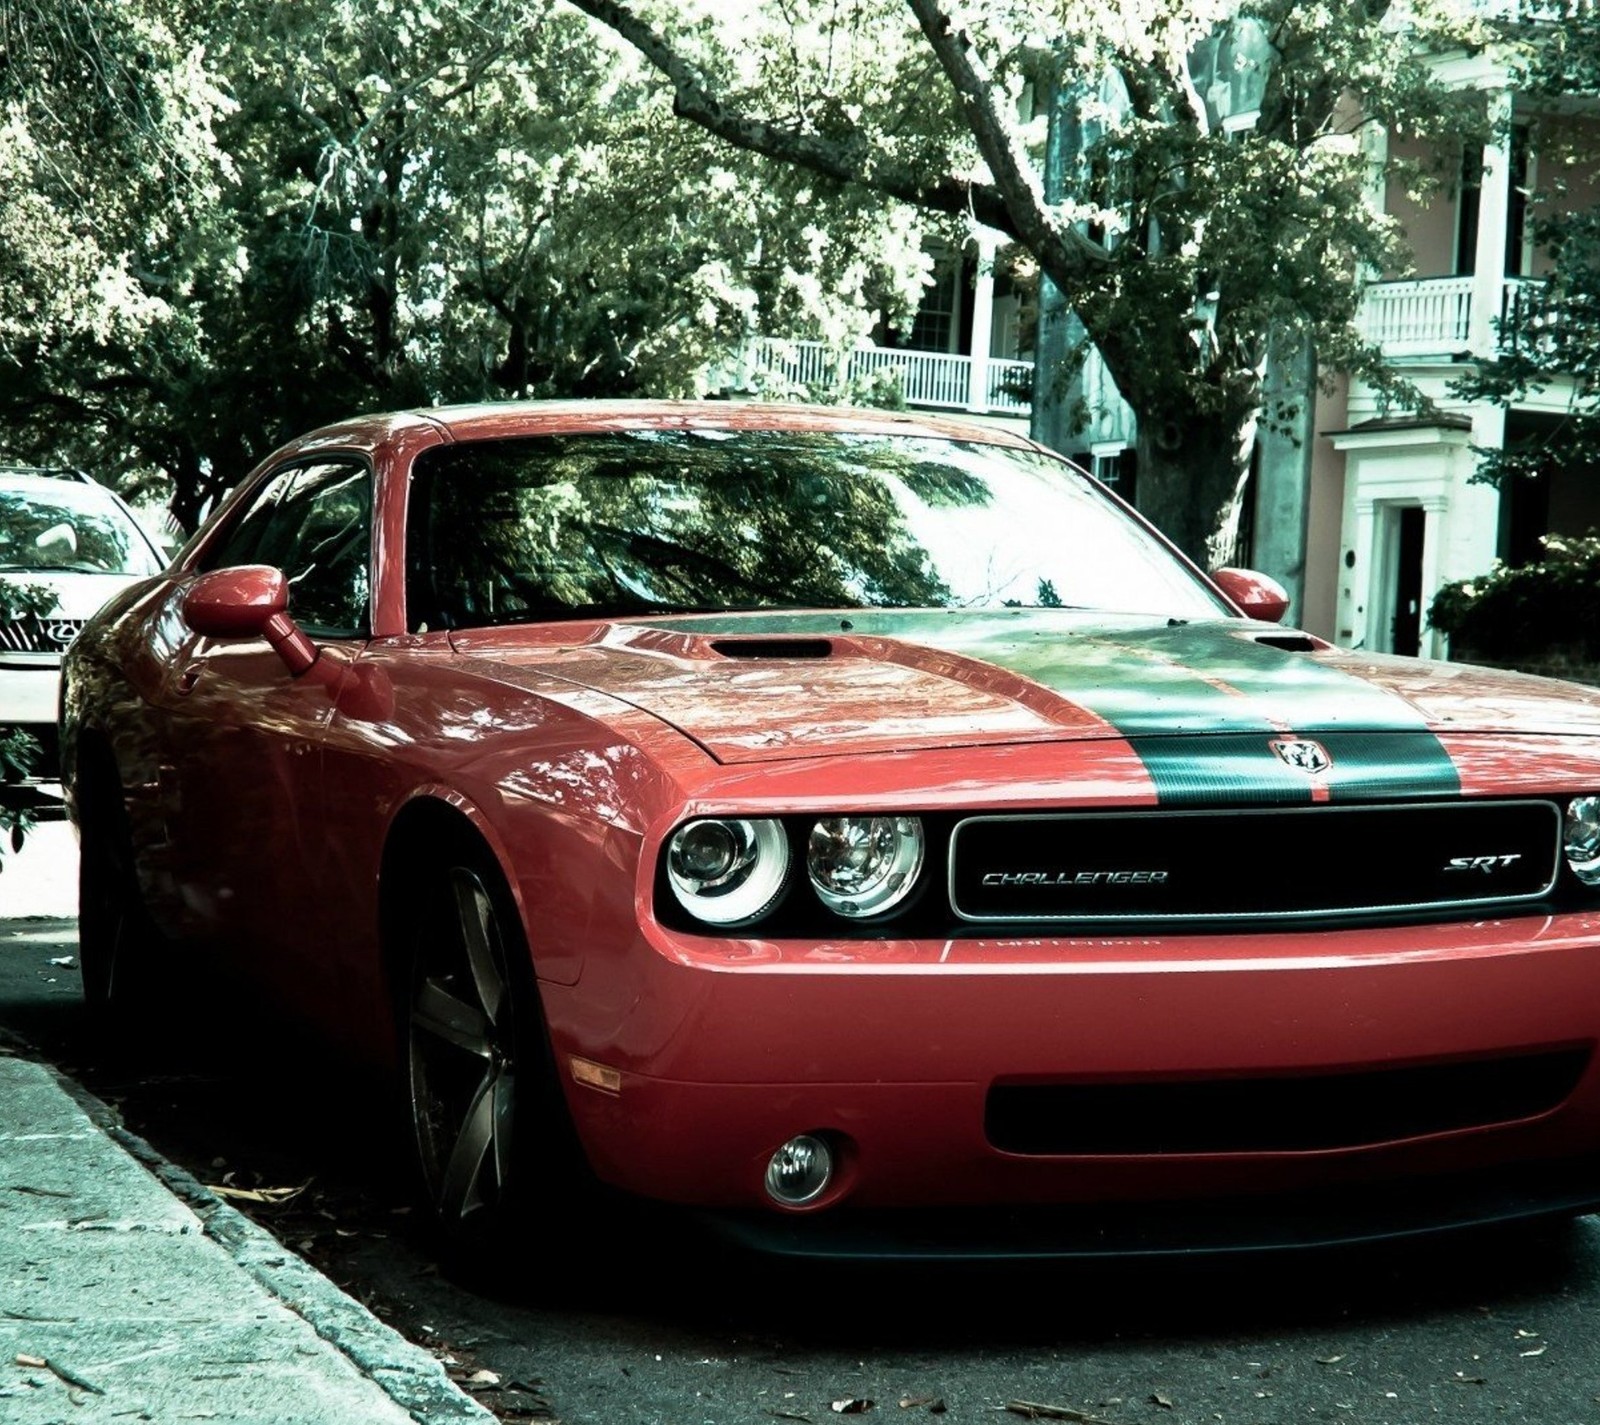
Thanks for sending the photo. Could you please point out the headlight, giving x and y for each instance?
(728, 872)
(864, 865)
(1582, 839)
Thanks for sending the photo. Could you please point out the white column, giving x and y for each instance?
(1494, 214)
(982, 325)
(1358, 586)
(1435, 511)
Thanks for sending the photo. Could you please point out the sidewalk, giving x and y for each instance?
(130, 1293)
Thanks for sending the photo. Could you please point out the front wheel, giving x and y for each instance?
(118, 946)
(492, 1141)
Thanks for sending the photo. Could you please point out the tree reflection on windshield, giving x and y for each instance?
(651, 521)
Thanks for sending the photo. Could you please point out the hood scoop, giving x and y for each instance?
(1292, 642)
(766, 648)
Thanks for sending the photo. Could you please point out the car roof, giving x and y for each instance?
(502, 420)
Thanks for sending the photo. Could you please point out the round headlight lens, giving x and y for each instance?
(864, 865)
(728, 872)
(1582, 839)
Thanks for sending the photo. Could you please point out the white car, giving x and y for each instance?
(69, 544)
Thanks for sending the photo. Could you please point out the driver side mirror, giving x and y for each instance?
(1257, 595)
(250, 601)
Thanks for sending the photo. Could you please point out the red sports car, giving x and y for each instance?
(862, 828)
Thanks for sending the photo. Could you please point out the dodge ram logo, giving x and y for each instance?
(1308, 757)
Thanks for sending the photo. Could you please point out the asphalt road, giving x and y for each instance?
(649, 1328)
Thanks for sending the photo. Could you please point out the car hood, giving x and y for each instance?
(756, 687)
(78, 595)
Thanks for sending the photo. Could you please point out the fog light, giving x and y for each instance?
(800, 1171)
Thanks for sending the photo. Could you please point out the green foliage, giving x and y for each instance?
(19, 599)
(1531, 614)
(19, 751)
(663, 520)
(1205, 165)
(418, 201)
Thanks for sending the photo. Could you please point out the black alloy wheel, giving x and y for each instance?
(468, 1020)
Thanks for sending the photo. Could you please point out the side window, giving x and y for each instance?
(314, 522)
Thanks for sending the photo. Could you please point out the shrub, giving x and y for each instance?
(1529, 615)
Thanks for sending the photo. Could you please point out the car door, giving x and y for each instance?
(242, 735)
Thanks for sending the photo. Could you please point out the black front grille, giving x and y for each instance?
(1168, 866)
(38, 635)
(1284, 1114)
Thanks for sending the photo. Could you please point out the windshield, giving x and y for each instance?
(76, 529)
(650, 521)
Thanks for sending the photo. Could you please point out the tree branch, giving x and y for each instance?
(1062, 251)
(853, 159)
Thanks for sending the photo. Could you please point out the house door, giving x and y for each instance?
(1403, 615)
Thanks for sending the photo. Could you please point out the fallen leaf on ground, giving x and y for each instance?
(788, 1415)
(1036, 1410)
(916, 1402)
(270, 1195)
(72, 1377)
(1462, 1378)
(855, 1405)
(1329, 1360)
(1162, 1401)
(65, 961)
(1536, 1351)
(483, 1377)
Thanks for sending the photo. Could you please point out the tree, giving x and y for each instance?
(1183, 246)
(110, 182)
(438, 201)
(1551, 336)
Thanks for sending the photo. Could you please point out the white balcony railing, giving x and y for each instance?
(1430, 317)
(1433, 316)
(924, 378)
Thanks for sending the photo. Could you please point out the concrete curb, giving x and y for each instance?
(406, 1373)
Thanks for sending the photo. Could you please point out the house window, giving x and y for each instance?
(1469, 192)
(937, 324)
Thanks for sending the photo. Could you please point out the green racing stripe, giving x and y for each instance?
(1202, 706)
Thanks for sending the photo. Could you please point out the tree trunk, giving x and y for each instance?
(1191, 470)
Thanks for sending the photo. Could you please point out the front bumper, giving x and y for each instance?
(1381, 1212)
(727, 1049)
(30, 688)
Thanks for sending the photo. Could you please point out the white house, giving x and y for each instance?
(1389, 506)
(1395, 512)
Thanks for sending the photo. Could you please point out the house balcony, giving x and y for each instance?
(930, 380)
(1437, 318)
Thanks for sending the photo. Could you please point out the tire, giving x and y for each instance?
(493, 1145)
(119, 949)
